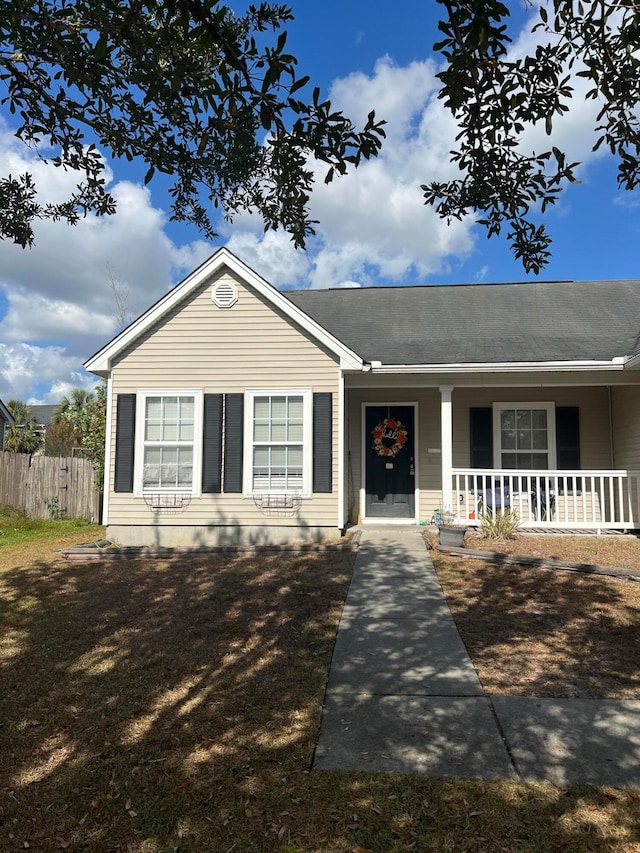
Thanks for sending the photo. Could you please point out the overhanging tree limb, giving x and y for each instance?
(184, 86)
(495, 98)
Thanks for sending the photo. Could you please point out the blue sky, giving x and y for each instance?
(56, 301)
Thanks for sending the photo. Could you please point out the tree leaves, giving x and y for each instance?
(495, 98)
(184, 86)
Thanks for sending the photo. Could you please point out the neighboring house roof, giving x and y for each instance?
(5, 414)
(488, 323)
(42, 415)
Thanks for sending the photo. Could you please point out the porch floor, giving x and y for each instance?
(403, 694)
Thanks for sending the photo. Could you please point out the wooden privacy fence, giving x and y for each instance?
(47, 485)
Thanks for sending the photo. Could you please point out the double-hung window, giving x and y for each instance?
(167, 428)
(524, 436)
(278, 434)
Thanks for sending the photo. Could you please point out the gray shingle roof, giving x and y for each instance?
(43, 414)
(449, 324)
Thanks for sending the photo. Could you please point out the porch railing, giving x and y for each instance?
(553, 499)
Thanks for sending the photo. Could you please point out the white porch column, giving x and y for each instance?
(446, 447)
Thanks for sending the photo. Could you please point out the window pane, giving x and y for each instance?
(153, 417)
(261, 457)
(539, 461)
(169, 431)
(295, 457)
(186, 418)
(278, 457)
(151, 467)
(261, 408)
(524, 439)
(278, 431)
(508, 419)
(294, 481)
(295, 431)
(539, 439)
(279, 408)
(523, 418)
(295, 408)
(261, 432)
(509, 460)
(185, 467)
(508, 438)
(154, 408)
(539, 418)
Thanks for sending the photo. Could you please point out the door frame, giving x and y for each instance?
(363, 457)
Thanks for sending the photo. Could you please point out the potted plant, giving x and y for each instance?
(451, 531)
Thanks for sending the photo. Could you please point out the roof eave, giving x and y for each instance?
(617, 363)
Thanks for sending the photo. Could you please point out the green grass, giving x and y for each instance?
(16, 528)
(18, 531)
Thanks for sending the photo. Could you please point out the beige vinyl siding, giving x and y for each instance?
(251, 345)
(626, 427)
(625, 419)
(594, 417)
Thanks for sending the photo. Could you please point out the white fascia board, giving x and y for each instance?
(632, 362)
(6, 414)
(100, 363)
(502, 367)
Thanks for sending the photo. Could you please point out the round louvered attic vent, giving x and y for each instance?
(224, 294)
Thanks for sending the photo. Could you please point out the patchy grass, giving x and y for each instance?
(38, 536)
(618, 550)
(161, 706)
(543, 632)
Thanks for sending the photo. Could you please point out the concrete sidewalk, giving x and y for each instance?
(403, 694)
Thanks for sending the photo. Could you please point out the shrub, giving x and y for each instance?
(499, 525)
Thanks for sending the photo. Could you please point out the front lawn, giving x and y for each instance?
(23, 538)
(545, 632)
(161, 706)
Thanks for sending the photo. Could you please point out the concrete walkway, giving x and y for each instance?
(403, 694)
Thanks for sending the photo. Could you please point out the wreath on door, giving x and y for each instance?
(389, 430)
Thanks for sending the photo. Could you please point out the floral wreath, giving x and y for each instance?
(378, 434)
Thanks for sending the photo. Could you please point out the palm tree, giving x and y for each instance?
(23, 436)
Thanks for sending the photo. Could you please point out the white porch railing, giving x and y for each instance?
(554, 499)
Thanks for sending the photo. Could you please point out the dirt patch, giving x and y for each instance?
(540, 632)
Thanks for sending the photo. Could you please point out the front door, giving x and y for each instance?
(389, 460)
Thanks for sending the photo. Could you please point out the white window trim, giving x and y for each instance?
(141, 405)
(307, 437)
(550, 409)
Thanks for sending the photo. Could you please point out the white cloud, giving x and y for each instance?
(24, 365)
(60, 304)
(373, 221)
(273, 256)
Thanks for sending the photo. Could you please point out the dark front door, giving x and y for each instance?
(390, 463)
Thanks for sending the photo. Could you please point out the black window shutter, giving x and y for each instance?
(212, 444)
(233, 442)
(481, 437)
(125, 442)
(568, 444)
(322, 442)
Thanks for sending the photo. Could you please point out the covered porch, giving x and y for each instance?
(560, 451)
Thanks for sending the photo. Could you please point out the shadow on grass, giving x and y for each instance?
(542, 632)
(174, 705)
